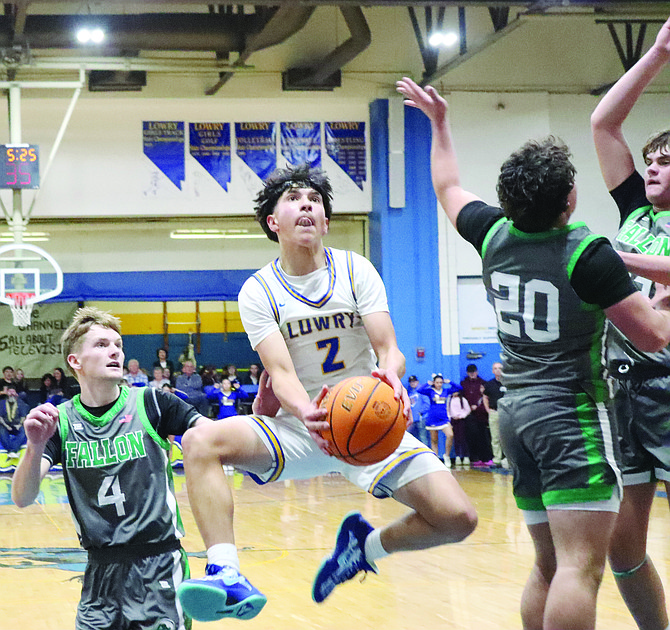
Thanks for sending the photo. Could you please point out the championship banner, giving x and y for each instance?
(164, 146)
(36, 348)
(256, 146)
(345, 144)
(209, 144)
(301, 143)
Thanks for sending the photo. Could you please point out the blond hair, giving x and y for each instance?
(82, 322)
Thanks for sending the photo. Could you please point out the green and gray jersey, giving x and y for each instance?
(549, 335)
(117, 473)
(642, 232)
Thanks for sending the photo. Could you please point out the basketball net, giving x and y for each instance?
(21, 309)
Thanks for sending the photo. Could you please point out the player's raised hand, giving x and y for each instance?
(427, 100)
(662, 42)
(40, 424)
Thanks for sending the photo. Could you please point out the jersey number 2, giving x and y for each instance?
(538, 296)
(329, 364)
(115, 497)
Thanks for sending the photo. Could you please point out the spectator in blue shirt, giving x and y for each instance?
(420, 405)
(226, 394)
(438, 419)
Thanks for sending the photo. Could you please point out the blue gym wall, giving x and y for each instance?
(404, 245)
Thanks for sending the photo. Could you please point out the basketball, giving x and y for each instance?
(366, 422)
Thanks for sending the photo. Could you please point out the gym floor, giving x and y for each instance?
(284, 530)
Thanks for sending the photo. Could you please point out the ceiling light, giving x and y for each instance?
(28, 237)
(97, 35)
(210, 234)
(93, 36)
(443, 39)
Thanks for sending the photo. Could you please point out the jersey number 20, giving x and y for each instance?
(539, 296)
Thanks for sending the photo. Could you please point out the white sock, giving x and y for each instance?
(374, 550)
(223, 555)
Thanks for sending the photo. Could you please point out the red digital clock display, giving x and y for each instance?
(19, 166)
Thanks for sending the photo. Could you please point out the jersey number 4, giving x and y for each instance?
(539, 317)
(110, 494)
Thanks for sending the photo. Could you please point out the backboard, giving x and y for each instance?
(28, 275)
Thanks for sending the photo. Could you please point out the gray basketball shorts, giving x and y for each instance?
(642, 413)
(138, 594)
(561, 447)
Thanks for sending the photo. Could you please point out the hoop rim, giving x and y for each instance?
(21, 299)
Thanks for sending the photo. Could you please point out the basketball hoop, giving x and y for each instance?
(28, 275)
(22, 309)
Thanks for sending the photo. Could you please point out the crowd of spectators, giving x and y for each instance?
(472, 437)
(215, 392)
(467, 414)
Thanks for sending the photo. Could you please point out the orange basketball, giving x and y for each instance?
(366, 422)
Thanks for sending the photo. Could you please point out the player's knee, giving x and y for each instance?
(458, 522)
(196, 443)
(465, 522)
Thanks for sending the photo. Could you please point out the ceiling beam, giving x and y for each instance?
(607, 4)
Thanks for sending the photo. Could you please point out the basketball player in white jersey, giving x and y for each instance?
(315, 315)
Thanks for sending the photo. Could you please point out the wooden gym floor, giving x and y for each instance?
(283, 532)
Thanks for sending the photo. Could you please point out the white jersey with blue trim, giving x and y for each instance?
(319, 315)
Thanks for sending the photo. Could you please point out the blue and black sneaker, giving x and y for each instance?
(223, 592)
(347, 559)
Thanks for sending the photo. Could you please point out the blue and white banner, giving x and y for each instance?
(256, 146)
(209, 144)
(164, 146)
(345, 144)
(301, 143)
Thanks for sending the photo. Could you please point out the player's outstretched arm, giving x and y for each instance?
(444, 166)
(647, 328)
(656, 268)
(40, 424)
(614, 155)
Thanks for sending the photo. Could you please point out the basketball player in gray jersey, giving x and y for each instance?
(640, 381)
(551, 284)
(112, 443)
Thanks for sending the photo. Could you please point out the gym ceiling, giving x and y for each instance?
(560, 46)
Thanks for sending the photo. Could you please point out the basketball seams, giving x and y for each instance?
(352, 434)
(390, 428)
(333, 394)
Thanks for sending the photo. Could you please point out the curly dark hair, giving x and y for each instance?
(660, 140)
(283, 179)
(534, 184)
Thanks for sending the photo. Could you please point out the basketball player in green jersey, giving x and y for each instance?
(112, 443)
(640, 381)
(551, 284)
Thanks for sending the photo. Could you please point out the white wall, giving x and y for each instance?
(100, 170)
(488, 127)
